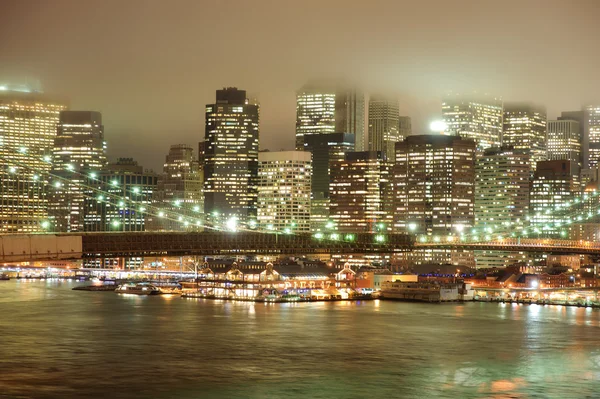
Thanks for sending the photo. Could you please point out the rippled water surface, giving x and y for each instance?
(59, 343)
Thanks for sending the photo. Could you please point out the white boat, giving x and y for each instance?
(138, 289)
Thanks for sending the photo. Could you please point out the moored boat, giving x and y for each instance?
(4, 276)
(138, 289)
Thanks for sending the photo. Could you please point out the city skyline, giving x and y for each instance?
(161, 98)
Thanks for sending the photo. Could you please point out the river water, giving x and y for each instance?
(59, 343)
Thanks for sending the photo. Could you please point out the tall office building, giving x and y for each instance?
(554, 184)
(405, 127)
(360, 193)
(123, 195)
(28, 123)
(474, 117)
(525, 129)
(178, 193)
(231, 157)
(579, 116)
(564, 141)
(79, 149)
(592, 134)
(434, 192)
(501, 200)
(324, 109)
(284, 191)
(384, 125)
(325, 150)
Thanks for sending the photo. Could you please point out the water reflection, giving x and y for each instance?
(62, 343)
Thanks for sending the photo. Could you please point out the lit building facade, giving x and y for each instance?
(592, 133)
(28, 124)
(325, 150)
(284, 191)
(231, 157)
(384, 125)
(79, 149)
(474, 117)
(564, 141)
(525, 129)
(122, 199)
(360, 193)
(501, 200)
(553, 185)
(325, 109)
(434, 192)
(178, 193)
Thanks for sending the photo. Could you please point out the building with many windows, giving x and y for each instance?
(328, 108)
(231, 157)
(384, 125)
(284, 183)
(592, 133)
(28, 122)
(325, 150)
(501, 200)
(122, 199)
(79, 149)
(564, 141)
(553, 185)
(360, 193)
(434, 192)
(474, 117)
(525, 129)
(178, 193)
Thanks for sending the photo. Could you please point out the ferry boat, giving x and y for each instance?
(138, 289)
(4, 276)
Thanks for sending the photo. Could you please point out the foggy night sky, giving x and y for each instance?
(151, 66)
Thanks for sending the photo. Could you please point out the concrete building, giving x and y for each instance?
(329, 108)
(501, 200)
(524, 128)
(231, 157)
(79, 149)
(178, 193)
(553, 185)
(474, 117)
(384, 125)
(592, 133)
(28, 122)
(434, 192)
(360, 193)
(564, 141)
(325, 149)
(284, 184)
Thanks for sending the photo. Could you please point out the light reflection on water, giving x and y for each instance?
(58, 343)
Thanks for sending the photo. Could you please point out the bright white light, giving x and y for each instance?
(22, 150)
(93, 175)
(196, 208)
(534, 284)
(136, 190)
(438, 126)
(232, 223)
(412, 226)
(70, 167)
(57, 184)
(47, 158)
(45, 224)
(161, 214)
(116, 223)
(460, 228)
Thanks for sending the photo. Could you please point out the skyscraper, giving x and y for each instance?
(554, 183)
(325, 150)
(284, 191)
(474, 117)
(360, 193)
(27, 130)
(122, 199)
(384, 125)
(592, 133)
(579, 116)
(324, 109)
(501, 200)
(434, 191)
(179, 192)
(231, 156)
(79, 149)
(525, 129)
(564, 141)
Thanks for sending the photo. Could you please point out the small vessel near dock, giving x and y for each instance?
(138, 289)
(4, 277)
